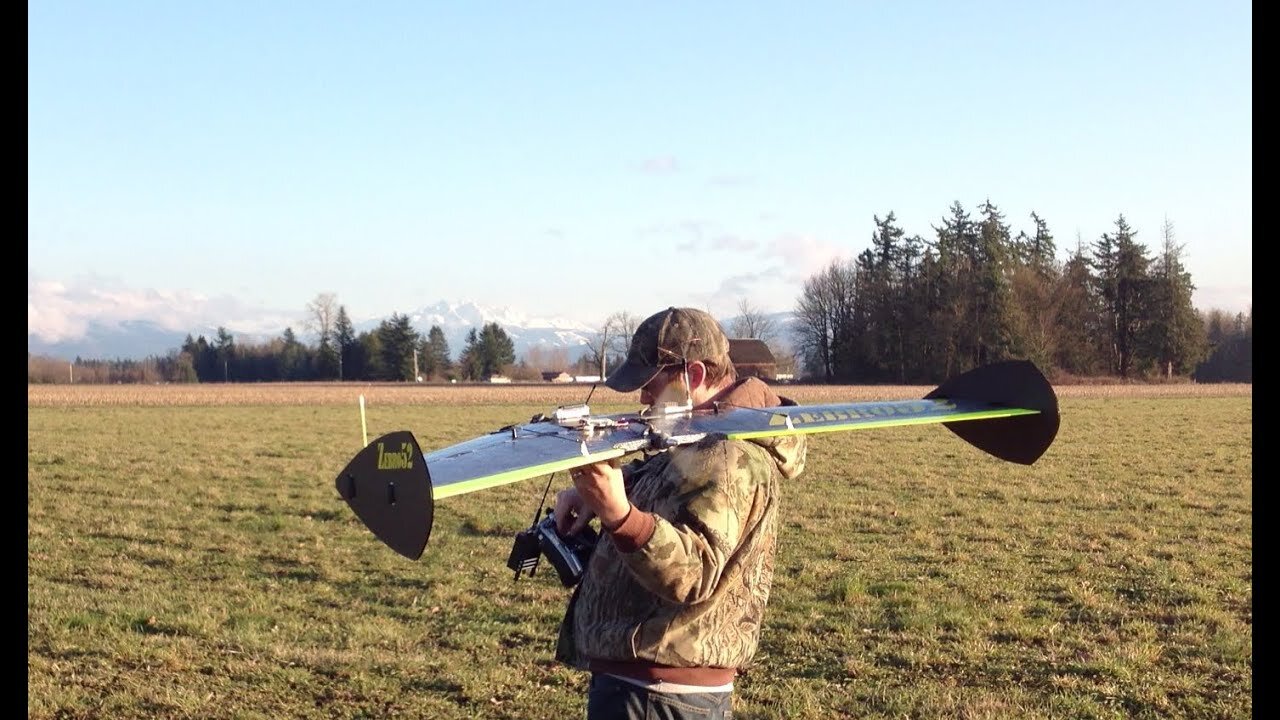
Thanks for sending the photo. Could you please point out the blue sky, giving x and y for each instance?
(221, 163)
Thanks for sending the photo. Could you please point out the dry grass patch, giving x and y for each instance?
(196, 562)
(545, 394)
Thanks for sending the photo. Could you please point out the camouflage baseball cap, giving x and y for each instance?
(666, 339)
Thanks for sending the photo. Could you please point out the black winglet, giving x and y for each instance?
(1014, 383)
(388, 487)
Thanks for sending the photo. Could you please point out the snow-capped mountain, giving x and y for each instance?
(526, 331)
(137, 339)
(129, 339)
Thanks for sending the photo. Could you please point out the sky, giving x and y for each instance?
(225, 163)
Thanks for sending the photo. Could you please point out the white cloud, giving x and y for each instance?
(745, 285)
(730, 181)
(803, 256)
(64, 310)
(733, 243)
(767, 290)
(786, 262)
(695, 233)
(1229, 298)
(660, 165)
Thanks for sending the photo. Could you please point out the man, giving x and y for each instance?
(671, 603)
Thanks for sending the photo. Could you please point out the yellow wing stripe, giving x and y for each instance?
(510, 476)
(808, 423)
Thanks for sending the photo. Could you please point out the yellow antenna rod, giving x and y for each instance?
(364, 429)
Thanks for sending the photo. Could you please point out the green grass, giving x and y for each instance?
(196, 562)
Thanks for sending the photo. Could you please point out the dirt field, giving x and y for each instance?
(537, 394)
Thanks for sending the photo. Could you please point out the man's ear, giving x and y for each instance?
(697, 374)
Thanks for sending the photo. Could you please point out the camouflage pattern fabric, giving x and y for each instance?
(694, 595)
(669, 338)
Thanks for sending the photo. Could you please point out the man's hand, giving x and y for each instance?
(571, 512)
(600, 489)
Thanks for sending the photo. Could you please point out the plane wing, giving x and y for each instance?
(1006, 409)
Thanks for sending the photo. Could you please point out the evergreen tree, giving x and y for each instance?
(927, 349)
(487, 352)
(1041, 252)
(470, 363)
(952, 278)
(366, 358)
(880, 289)
(1174, 334)
(399, 342)
(344, 336)
(1122, 265)
(328, 366)
(292, 356)
(224, 350)
(203, 358)
(1083, 324)
(435, 353)
(500, 350)
(990, 321)
(912, 311)
(1231, 348)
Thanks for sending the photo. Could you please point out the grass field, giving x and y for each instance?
(188, 557)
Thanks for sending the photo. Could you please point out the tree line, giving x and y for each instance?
(913, 309)
(908, 309)
(393, 351)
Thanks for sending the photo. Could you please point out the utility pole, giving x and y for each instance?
(415, 365)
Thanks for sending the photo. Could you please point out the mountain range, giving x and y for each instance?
(137, 339)
(526, 331)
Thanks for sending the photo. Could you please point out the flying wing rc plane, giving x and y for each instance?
(1007, 409)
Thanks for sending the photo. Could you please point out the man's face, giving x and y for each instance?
(668, 386)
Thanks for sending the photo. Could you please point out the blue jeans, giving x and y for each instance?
(609, 698)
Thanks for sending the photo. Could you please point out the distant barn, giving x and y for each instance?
(753, 358)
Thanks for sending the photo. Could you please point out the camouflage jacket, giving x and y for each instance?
(694, 594)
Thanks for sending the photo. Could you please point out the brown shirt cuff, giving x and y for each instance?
(634, 530)
(652, 672)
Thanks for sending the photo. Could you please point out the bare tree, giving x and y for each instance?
(624, 326)
(322, 315)
(609, 344)
(752, 323)
(544, 358)
(786, 359)
(822, 332)
(600, 342)
(322, 319)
